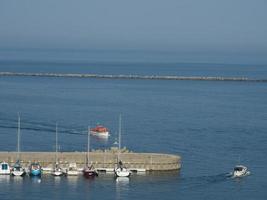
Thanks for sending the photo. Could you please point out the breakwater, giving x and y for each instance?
(102, 160)
(147, 77)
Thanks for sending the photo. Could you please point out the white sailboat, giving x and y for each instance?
(120, 170)
(17, 169)
(57, 171)
(88, 170)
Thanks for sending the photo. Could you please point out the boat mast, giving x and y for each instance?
(119, 138)
(56, 146)
(18, 142)
(88, 146)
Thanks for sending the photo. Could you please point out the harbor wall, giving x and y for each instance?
(101, 160)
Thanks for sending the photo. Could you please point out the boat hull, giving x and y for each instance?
(4, 172)
(100, 134)
(122, 172)
(88, 173)
(240, 174)
(72, 173)
(35, 172)
(57, 173)
(18, 173)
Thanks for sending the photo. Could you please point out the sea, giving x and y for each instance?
(212, 125)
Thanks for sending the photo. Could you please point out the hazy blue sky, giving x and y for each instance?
(237, 26)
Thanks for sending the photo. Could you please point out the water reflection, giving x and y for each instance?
(122, 186)
(17, 179)
(122, 180)
(101, 138)
(72, 180)
(156, 176)
(4, 178)
(58, 180)
(36, 179)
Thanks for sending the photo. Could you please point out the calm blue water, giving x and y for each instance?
(212, 125)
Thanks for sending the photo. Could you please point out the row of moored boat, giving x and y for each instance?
(89, 171)
(35, 169)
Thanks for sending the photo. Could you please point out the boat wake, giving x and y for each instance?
(38, 126)
(203, 181)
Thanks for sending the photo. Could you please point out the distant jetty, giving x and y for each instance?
(121, 76)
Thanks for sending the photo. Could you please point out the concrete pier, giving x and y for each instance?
(101, 160)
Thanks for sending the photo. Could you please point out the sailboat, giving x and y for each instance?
(57, 171)
(17, 169)
(120, 170)
(88, 170)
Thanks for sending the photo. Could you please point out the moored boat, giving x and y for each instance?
(120, 170)
(57, 171)
(4, 168)
(72, 170)
(100, 130)
(35, 169)
(89, 170)
(17, 169)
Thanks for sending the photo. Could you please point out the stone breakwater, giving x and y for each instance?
(147, 77)
(100, 159)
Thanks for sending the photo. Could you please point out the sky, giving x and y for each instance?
(186, 26)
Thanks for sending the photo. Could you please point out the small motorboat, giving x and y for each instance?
(35, 169)
(18, 170)
(240, 171)
(72, 170)
(100, 131)
(4, 168)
